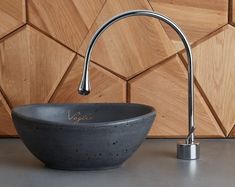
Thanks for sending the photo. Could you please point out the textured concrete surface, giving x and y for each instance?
(153, 165)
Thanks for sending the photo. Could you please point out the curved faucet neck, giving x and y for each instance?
(84, 87)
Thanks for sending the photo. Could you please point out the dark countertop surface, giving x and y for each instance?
(153, 165)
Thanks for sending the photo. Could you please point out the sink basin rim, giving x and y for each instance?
(42, 122)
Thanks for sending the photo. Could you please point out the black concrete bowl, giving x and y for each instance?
(83, 136)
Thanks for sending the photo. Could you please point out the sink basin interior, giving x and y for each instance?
(83, 113)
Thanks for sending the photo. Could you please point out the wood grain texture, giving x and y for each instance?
(66, 20)
(6, 126)
(232, 12)
(214, 70)
(196, 18)
(232, 132)
(165, 88)
(12, 15)
(106, 87)
(131, 45)
(38, 68)
(31, 66)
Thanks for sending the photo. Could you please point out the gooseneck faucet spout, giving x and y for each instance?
(189, 149)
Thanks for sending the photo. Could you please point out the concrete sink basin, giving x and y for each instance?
(83, 136)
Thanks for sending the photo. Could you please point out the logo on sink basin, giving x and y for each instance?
(78, 116)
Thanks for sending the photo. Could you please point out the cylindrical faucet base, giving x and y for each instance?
(188, 151)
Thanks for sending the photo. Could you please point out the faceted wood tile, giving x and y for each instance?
(232, 133)
(31, 66)
(12, 15)
(214, 70)
(6, 126)
(131, 45)
(165, 88)
(196, 18)
(66, 20)
(232, 13)
(106, 87)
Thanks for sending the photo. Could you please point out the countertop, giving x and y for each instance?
(153, 165)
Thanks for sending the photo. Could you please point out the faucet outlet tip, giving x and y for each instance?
(83, 91)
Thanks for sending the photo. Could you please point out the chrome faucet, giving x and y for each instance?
(189, 149)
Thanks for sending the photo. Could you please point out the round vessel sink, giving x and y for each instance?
(83, 136)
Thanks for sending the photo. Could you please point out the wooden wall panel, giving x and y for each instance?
(128, 47)
(232, 13)
(214, 70)
(31, 66)
(106, 87)
(6, 125)
(196, 18)
(66, 20)
(41, 59)
(232, 133)
(165, 88)
(12, 15)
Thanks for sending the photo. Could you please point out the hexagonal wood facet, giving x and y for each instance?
(232, 12)
(196, 18)
(165, 88)
(12, 15)
(31, 66)
(6, 125)
(131, 45)
(232, 132)
(66, 20)
(214, 70)
(106, 87)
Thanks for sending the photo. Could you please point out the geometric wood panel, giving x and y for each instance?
(12, 15)
(214, 71)
(165, 88)
(31, 66)
(196, 18)
(106, 87)
(66, 20)
(6, 126)
(232, 133)
(39, 60)
(128, 48)
(232, 13)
